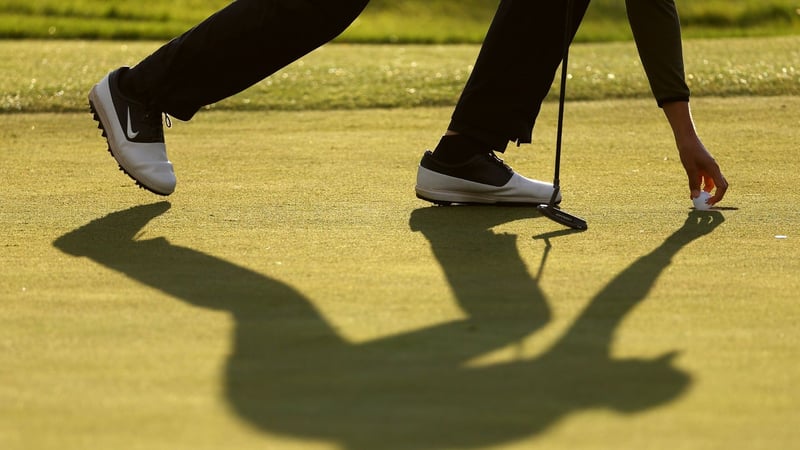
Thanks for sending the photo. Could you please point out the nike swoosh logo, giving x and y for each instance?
(131, 134)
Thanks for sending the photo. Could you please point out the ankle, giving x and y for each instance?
(128, 88)
(456, 148)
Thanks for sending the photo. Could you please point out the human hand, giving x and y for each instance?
(702, 170)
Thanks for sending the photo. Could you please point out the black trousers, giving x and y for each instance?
(515, 70)
(235, 48)
(251, 39)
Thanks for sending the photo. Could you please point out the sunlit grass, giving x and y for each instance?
(317, 208)
(384, 21)
(56, 75)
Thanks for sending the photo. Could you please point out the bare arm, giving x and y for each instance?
(701, 168)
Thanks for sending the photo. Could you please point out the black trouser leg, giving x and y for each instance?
(514, 71)
(235, 48)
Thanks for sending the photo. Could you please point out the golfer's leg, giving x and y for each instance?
(234, 49)
(514, 71)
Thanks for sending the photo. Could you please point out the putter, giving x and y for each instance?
(551, 210)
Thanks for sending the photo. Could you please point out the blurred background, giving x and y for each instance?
(384, 21)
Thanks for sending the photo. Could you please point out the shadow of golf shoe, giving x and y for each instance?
(467, 218)
(111, 230)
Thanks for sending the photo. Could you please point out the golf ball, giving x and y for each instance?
(700, 201)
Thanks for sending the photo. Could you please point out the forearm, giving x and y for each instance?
(657, 32)
(680, 120)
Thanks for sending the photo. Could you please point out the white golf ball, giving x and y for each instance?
(700, 201)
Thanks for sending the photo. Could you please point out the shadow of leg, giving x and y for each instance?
(484, 269)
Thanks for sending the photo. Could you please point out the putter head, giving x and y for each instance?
(564, 218)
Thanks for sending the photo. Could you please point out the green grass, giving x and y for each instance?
(294, 294)
(406, 21)
(52, 76)
(297, 296)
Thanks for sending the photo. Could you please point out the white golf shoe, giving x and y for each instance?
(135, 135)
(484, 179)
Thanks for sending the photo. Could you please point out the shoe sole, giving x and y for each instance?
(102, 128)
(440, 202)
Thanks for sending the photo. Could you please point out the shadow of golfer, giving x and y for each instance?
(291, 373)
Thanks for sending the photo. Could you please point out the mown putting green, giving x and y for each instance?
(293, 294)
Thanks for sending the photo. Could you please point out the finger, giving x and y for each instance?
(722, 188)
(708, 183)
(695, 182)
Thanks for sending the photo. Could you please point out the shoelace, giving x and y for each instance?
(496, 158)
(153, 126)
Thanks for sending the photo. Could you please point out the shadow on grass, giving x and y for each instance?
(291, 373)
